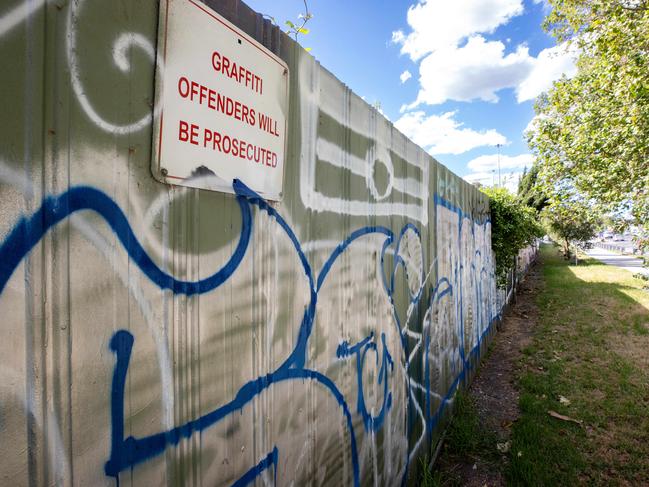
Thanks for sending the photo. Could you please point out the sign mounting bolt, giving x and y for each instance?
(164, 172)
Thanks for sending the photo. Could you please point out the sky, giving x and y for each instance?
(459, 77)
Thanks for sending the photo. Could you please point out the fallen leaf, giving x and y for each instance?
(556, 415)
(564, 400)
(504, 447)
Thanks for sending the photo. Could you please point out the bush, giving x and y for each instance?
(514, 226)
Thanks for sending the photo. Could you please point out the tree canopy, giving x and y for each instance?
(529, 191)
(570, 220)
(591, 131)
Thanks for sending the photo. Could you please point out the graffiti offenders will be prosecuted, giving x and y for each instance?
(213, 100)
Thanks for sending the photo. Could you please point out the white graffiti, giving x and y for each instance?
(122, 45)
(332, 153)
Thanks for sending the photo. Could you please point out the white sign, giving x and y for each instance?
(223, 104)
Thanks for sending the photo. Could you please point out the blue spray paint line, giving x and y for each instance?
(297, 358)
(360, 349)
(126, 453)
(345, 350)
(29, 231)
(398, 261)
(253, 198)
(347, 242)
(456, 209)
(271, 460)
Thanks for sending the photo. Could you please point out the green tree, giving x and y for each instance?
(592, 131)
(513, 227)
(570, 220)
(530, 193)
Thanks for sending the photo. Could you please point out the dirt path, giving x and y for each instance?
(494, 396)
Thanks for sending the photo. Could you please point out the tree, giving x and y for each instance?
(570, 220)
(513, 226)
(529, 191)
(592, 131)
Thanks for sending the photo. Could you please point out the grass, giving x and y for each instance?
(591, 346)
(465, 438)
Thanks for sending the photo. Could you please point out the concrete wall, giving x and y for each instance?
(158, 335)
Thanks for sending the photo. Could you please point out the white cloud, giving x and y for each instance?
(475, 71)
(490, 161)
(549, 66)
(452, 69)
(507, 180)
(480, 68)
(405, 76)
(442, 134)
(438, 23)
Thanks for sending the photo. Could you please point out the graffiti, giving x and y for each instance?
(359, 350)
(128, 452)
(122, 44)
(320, 340)
(360, 164)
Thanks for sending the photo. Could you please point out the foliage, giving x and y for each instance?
(570, 220)
(529, 192)
(513, 227)
(295, 29)
(593, 130)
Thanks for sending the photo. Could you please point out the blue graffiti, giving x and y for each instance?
(29, 231)
(372, 423)
(271, 460)
(128, 452)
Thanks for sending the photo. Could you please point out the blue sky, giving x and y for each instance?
(475, 69)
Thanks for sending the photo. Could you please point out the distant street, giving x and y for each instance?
(627, 262)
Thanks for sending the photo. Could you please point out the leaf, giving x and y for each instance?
(302, 30)
(504, 447)
(564, 400)
(308, 49)
(556, 415)
(290, 24)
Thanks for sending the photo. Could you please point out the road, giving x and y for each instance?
(627, 262)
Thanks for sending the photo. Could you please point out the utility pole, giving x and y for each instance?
(499, 181)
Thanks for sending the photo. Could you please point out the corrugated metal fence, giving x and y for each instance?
(330, 354)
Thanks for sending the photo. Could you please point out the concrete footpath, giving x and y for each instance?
(627, 262)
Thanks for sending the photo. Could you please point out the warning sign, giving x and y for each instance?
(222, 104)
